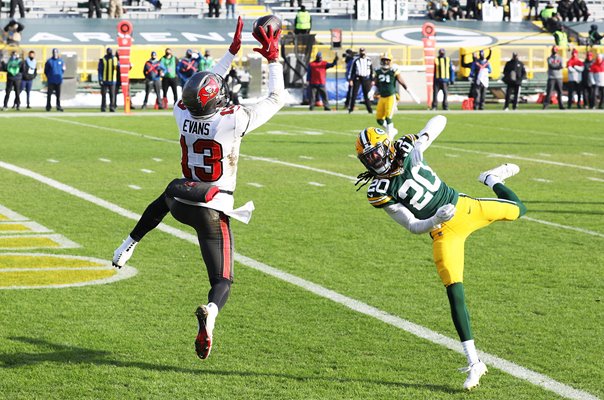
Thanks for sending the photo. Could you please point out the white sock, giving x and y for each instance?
(211, 320)
(212, 309)
(470, 350)
(492, 181)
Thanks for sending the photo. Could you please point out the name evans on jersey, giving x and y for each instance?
(196, 127)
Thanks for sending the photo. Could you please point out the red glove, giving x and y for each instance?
(270, 43)
(236, 44)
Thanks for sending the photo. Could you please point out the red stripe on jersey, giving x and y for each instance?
(226, 247)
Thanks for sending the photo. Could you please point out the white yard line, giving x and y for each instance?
(570, 228)
(509, 367)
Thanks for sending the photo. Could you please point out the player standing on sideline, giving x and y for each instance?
(210, 137)
(413, 195)
(385, 81)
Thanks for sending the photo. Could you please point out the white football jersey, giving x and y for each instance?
(210, 146)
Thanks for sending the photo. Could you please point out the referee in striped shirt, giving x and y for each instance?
(360, 75)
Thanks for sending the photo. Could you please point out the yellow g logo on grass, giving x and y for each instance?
(37, 270)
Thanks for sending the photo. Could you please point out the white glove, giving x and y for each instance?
(444, 213)
(417, 154)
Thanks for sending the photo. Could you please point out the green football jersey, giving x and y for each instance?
(385, 80)
(417, 188)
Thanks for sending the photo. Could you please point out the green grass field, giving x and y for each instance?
(534, 287)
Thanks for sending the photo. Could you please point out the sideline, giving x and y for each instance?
(511, 368)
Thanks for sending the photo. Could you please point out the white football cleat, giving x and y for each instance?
(206, 318)
(123, 253)
(500, 173)
(475, 372)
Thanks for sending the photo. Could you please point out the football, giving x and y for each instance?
(265, 22)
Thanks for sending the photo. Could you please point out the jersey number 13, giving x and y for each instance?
(210, 167)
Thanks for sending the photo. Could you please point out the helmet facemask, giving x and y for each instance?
(385, 63)
(377, 159)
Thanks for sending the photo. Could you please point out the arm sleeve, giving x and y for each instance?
(259, 113)
(223, 65)
(432, 130)
(405, 218)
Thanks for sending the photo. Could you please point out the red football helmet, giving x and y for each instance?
(204, 93)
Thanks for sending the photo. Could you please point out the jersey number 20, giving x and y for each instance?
(424, 184)
(210, 168)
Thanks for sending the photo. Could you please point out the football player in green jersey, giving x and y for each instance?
(385, 79)
(413, 195)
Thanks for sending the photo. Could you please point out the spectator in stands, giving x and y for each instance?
(554, 78)
(564, 10)
(454, 10)
(597, 72)
(94, 7)
(169, 80)
(303, 22)
(13, 8)
(318, 70)
(443, 77)
(513, 75)
(13, 68)
(153, 71)
(206, 62)
(29, 71)
(348, 59)
(115, 9)
(361, 73)
(471, 9)
(54, 70)
(575, 71)
(437, 9)
(187, 66)
(108, 74)
(234, 86)
(594, 37)
(533, 5)
(481, 68)
(507, 9)
(553, 24)
(579, 10)
(12, 32)
(587, 83)
(547, 13)
(155, 3)
(230, 8)
(213, 8)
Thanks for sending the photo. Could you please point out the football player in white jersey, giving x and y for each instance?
(210, 137)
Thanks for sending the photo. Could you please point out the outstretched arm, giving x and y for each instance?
(262, 111)
(426, 136)
(404, 217)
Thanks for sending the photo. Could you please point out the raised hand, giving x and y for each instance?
(270, 43)
(236, 44)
